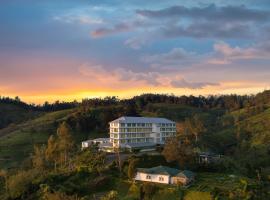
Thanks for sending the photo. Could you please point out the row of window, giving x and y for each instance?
(141, 124)
(138, 140)
(159, 178)
(167, 134)
(168, 129)
(130, 130)
(139, 135)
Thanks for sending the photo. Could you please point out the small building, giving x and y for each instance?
(208, 158)
(165, 175)
(97, 141)
(184, 177)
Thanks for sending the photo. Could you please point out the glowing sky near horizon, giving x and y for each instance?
(73, 49)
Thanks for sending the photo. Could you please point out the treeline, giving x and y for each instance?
(55, 106)
(231, 102)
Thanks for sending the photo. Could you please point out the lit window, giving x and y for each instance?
(161, 178)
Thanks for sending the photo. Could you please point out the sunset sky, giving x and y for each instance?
(73, 49)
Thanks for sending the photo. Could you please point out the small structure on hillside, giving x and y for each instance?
(208, 158)
(165, 175)
(97, 141)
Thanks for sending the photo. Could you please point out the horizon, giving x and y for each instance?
(71, 50)
(40, 103)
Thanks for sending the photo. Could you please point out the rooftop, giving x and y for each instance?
(185, 174)
(160, 170)
(126, 119)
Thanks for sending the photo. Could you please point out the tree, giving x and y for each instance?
(112, 195)
(132, 168)
(180, 151)
(38, 158)
(65, 142)
(90, 160)
(195, 126)
(148, 190)
(51, 153)
(4, 174)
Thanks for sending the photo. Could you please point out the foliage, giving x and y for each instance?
(132, 168)
(195, 195)
(180, 151)
(90, 160)
(112, 195)
(20, 183)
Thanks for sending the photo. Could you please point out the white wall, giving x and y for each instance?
(86, 144)
(154, 178)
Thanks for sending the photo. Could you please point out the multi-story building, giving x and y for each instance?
(140, 131)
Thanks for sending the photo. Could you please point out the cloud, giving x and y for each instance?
(182, 83)
(79, 18)
(118, 75)
(117, 28)
(123, 77)
(225, 54)
(210, 13)
(208, 29)
(213, 22)
(175, 55)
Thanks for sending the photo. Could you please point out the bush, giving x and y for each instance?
(112, 195)
(148, 190)
(194, 195)
(134, 191)
(21, 183)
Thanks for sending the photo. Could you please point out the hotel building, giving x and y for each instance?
(140, 131)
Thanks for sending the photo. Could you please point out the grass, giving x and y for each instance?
(201, 189)
(16, 142)
(11, 113)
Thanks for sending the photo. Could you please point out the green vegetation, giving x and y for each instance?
(40, 155)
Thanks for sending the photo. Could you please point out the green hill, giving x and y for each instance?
(17, 140)
(12, 113)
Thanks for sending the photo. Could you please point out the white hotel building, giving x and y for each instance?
(132, 132)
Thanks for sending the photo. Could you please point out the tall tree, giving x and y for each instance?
(65, 142)
(51, 153)
(180, 151)
(38, 158)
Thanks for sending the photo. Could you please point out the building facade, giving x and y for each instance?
(165, 175)
(140, 130)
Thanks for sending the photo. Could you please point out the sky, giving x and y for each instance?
(73, 49)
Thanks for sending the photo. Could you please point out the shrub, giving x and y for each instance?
(21, 183)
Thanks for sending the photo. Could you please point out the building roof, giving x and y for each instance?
(126, 119)
(185, 174)
(159, 170)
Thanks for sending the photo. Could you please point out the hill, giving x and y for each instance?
(15, 113)
(234, 126)
(17, 140)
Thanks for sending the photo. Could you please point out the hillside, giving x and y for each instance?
(236, 127)
(17, 140)
(15, 113)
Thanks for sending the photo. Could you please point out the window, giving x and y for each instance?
(122, 125)
(148, 177)
(161, 178)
